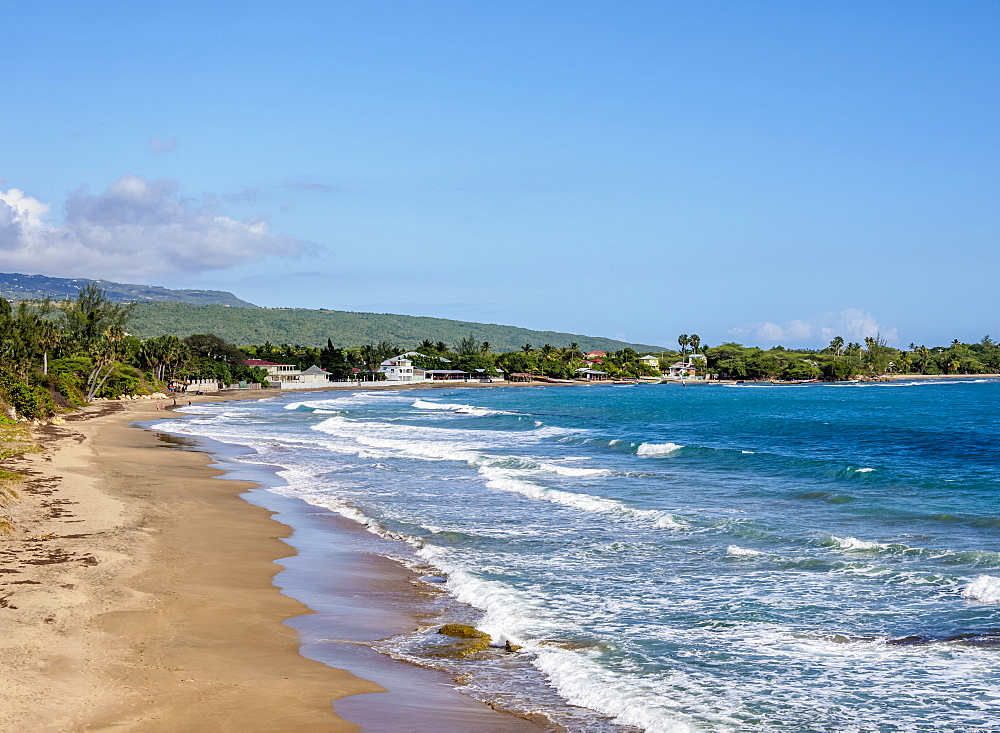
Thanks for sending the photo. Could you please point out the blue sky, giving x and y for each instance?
(764, 172)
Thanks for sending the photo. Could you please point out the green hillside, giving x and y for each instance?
(15, 286)
(244, 326)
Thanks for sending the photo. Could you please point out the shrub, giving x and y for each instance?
(124, 380)
(26, 400)
(839, 370)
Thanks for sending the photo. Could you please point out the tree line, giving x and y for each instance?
(60, 355)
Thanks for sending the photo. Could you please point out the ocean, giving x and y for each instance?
(822, 557)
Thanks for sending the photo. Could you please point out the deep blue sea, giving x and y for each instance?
(820, 557)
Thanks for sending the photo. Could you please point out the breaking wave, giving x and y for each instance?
(985, 588)
(458, 408)
(657, 449)
(502, 480)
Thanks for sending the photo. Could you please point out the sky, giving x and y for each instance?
(763, 172)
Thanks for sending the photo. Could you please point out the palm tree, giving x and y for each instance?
(526, 348)
(572, 353)
(104, 354)
(484, 348)
(924, 354)
(47, 337)
(837, 345)
(683, 340)
(695, 341)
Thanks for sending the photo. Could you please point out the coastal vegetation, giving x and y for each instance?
(62, 355)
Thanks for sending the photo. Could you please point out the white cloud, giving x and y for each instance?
(23, 210)
(856, 325)
(853, 324)
(135, 228)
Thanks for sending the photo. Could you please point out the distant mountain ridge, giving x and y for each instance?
(185, 312)
(345, 329)
(16, 286)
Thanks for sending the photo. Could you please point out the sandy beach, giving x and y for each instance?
(137, 593)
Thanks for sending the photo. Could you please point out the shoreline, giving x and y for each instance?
(139, 592)
(124, 610)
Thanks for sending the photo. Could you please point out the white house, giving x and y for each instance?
(397, 369)
(682, 369)
(314, 375)
(287, 376)
(274, 370)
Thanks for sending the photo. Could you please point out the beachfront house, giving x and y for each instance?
(397, 369)
(438, 375)
(289, 376)
(314, 375)
(650, 360)
(274, 370)
(682, 370)
(591, 375)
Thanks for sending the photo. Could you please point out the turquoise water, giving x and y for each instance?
(742, 558)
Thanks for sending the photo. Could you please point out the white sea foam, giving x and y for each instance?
(985, 588)
(516, 617)
(853, 543)
(584, 682)
(748, 452)
(351, 399)
(460, 409)
(312, 407)
(657, 449)
(573, 470)
(734, 551)
(506, 480)
(863, 470)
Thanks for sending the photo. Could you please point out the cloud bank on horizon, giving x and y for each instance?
(853, 324)
(136, 228)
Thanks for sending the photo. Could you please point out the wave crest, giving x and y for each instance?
(985, 588)
(657, 449)
(458, 408)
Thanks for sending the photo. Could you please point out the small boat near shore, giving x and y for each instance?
(791, 382)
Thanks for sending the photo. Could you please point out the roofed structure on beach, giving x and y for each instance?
(313, 375)
(263, 363)
(682, 369)
(397, 369)
(445, 374)
(273, 369)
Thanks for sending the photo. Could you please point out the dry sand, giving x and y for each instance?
(137, 594)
